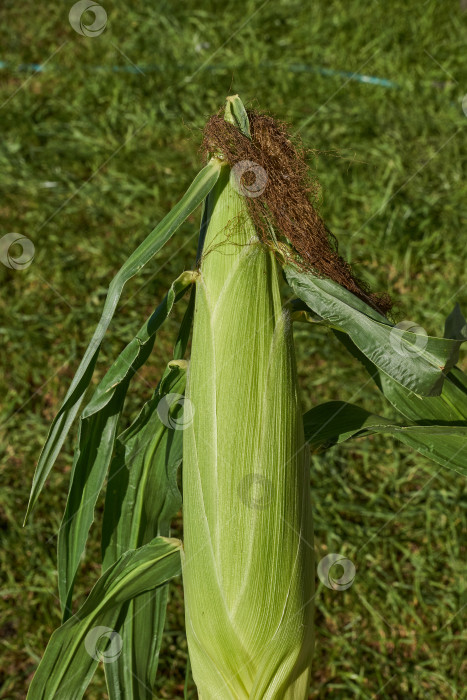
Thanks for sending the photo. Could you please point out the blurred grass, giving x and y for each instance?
(91, 158)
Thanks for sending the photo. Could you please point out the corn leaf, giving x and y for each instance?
(138, 350)
(195, 194)
(142, 498)
(420, 362)
(449, 406)
(447, 411)
(97, 431)
(455, 325)
(334, 422)
(72, 654)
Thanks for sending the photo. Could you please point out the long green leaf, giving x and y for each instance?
(449, 406)
(415, 361)
(136, 352)
(449, 410)
(334, 422)
(72, 655)
(97, 431)
(195, 194)
(142, 498)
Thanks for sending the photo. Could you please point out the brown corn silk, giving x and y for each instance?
(288, 202)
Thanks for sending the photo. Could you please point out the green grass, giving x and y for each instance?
(120, 149)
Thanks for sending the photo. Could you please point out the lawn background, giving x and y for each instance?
(95, 151)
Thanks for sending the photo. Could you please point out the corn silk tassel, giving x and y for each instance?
(248, 570)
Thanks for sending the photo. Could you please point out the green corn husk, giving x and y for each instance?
(248, 557)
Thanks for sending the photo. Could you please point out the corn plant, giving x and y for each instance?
(231, 421)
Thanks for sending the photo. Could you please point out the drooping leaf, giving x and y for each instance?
(97, 431)
(449, 406)
(440, 414)
(455, 326)
(72, 654)
(334, 422)
(141, 500)
(195, 194)
(414, 360)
